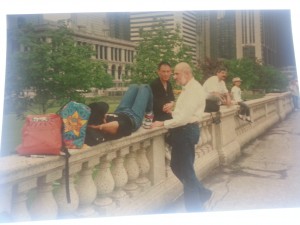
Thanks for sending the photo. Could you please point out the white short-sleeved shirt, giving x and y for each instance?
(213, 84)
(236, 94)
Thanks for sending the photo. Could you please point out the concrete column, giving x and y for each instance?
(226, 138)
(44, 206)
(86, 189)
(19, 209)
(120, 176)
(105, 185)
(156, 155)
(133, 171)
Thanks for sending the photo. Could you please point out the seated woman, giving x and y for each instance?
(127, 118)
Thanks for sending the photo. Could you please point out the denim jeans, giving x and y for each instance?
(137, 101)
(183, 140)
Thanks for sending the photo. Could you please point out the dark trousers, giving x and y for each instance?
(244, 109)
(183, 140)
(296, 101)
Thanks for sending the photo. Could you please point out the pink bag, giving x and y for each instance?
(41, 135)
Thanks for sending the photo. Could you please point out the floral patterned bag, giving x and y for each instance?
(74, 116)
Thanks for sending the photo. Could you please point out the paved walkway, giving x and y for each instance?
(267, 175)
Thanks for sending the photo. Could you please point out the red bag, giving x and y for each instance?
(41, 135)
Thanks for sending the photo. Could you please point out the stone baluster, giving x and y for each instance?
(19, 211)
(120, 176)
(144, 165)
(198, 149)
(43, 205)
(168, 159)
(209, 137)
(203, 134)
(66, 208)
(105, 185)
(133, 171)
(86, 189)
(204, 147)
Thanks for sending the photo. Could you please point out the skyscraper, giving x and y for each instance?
(185, 19)
(256, 34)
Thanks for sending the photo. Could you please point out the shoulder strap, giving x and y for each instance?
(67, 156)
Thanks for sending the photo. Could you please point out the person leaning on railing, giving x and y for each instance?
(184, 135)
(128, 117)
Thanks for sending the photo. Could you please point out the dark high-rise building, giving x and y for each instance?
(119, 24)
(259, 34)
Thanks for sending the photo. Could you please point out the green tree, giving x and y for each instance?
(159, 44)
(247, 69)
(208, 67)
(256, 75)
(272, 80)
(53, 66)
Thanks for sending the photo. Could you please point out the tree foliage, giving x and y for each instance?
(247, 69)
(53, 67)
(254, 74)
(159, 44)
(208, 68)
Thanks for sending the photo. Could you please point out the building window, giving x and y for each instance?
(116, 54)
(105, 52)
(249, 52)
(113, 71)
(97, 51)
(101, 52)
(112, 53)
(119, 72)
(131, 56)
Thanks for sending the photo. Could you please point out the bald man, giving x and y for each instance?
(184, 135)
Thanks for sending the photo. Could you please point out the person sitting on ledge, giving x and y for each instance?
(127, 118)
(244, 112)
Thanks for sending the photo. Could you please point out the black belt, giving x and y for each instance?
(188, 124)
(132, 122)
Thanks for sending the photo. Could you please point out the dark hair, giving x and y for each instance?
(221, 68)
(98, 111)
(163, 63)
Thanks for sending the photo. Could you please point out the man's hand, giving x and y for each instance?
(228, 100)
(168, 107)
(217, 94)
(157, 124)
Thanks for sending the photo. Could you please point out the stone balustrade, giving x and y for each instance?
(130, 175)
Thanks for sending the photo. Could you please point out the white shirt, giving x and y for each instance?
(189, 106)
(213, 84)
(236, 94)
(294, 89)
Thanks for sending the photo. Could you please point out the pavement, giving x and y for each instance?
(266, 176)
